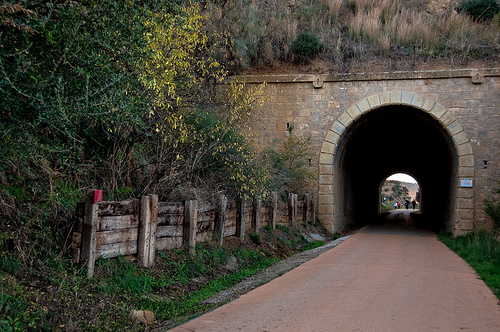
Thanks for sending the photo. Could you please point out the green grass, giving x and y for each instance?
(482, 251)
(312, 245)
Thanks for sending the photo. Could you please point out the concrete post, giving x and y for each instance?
(89, 232)
(274, 208)
(241, 215)
(256, 213)
(305, 210)
(144, 232)
(221, 219)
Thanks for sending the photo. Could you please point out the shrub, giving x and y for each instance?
(480, 10)
(255, 237)
(307, 45)
(493, 210)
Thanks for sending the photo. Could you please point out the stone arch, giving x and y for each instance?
(462, 214)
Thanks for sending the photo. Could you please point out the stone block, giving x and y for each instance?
(325, 179)
(466, 161)
(326, 158)
(354, 111)
(395, 97)
(447, 118)
(325, 169)
(465, 214)
(438, 111)
(385, 98)
(337, 127)
(363, 105)
(465, 203)
(406, 97)
(326, 189)
(332, 137)
(465, 193)
(374, 101)
(325, 200)
(418, 101)
(466, 172)
(326, 209)
(428, 105)
(464, 149)
(460, 138)
(454, 128)
(328, 147)
(345, 119)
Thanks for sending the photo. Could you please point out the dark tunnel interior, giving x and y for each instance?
(391, 140)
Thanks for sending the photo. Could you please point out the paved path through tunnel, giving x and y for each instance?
(384, 278)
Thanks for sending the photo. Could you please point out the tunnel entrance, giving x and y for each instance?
(399, 188)
(393, 139)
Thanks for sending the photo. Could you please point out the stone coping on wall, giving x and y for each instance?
(476, 74)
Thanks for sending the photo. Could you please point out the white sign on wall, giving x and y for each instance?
(466, 183)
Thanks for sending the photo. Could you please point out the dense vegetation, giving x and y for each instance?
(128, 96)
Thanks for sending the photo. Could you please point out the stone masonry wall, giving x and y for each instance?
(313, 104)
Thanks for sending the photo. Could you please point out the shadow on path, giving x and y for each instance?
(400, 222)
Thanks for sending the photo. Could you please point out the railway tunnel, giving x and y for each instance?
(396, 139)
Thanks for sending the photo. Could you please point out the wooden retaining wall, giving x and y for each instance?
(142, 226)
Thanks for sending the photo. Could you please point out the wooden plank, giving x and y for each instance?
(229, 231)
(207, 207)
(129, 206)
(117, 249)
(204, 226)
(116, 236)
(108, 223)
(165, 243)
(170, 219)
(170, 208)
(204, 237)
(170, 231)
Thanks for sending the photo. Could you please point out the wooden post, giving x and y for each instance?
(154, 225)
(305, 210)
(221, 219)
(190, 225)
(313, 208)
(241, 216)
(292, 208)
(143, 238)
(256, 213)
(89, 232)
(274, 208)
(295, 203)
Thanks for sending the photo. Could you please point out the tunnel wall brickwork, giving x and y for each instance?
(465, 102)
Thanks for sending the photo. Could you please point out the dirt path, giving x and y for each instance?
(380, 279)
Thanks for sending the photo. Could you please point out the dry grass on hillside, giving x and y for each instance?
(397, 33)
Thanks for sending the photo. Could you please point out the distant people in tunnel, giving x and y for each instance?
(413, 204)
(406, 204)
(395, 205)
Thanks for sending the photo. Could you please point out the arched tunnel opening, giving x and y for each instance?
(389, 140)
